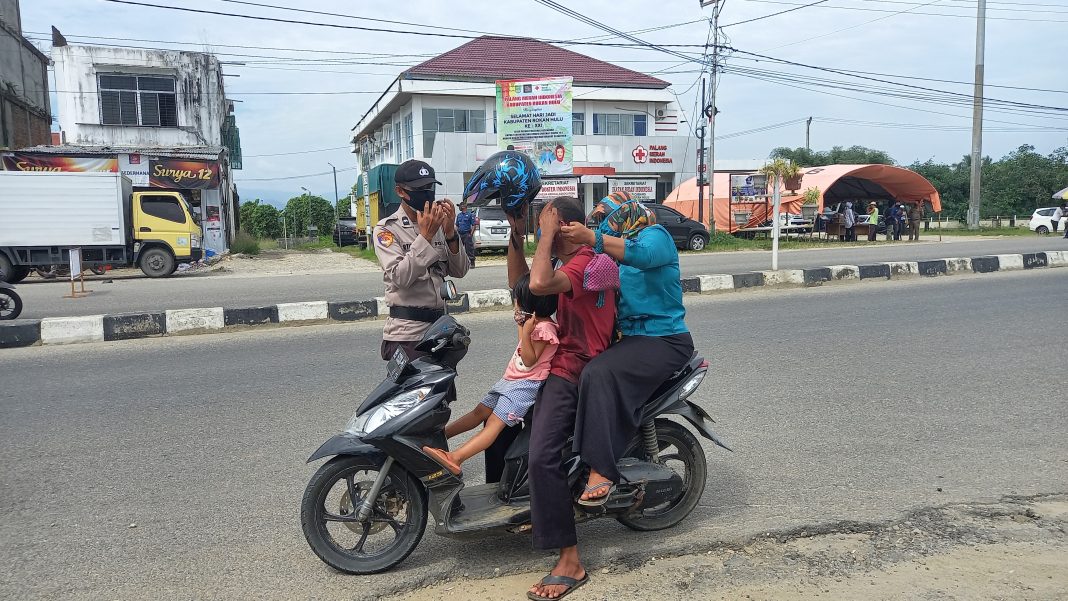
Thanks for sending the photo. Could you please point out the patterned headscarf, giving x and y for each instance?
(625, 216)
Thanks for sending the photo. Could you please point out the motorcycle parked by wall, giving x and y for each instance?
(364, 511)
(10, 302)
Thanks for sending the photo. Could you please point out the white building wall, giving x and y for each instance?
(201, 100)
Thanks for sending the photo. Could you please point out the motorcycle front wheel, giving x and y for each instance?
(328, 516)
(682, 452)
(10, 304)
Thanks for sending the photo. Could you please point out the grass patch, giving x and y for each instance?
(244, 243)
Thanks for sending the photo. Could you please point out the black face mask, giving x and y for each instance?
(417, 199)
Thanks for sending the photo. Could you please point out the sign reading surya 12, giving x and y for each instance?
(534, 116)
(187, 175)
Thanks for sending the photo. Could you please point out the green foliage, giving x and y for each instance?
(244, 243)
(344, 208)
(261, 220)
(812, 195)
(854, 155)
(1017, 184)
(781, 167)
(304, 210)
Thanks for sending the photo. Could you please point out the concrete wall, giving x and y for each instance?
(25, 116)
(201, 99)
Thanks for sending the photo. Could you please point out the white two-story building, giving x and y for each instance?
(625, 124)
(160, 116)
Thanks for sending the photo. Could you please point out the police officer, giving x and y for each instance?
(465, 226)
(418, 247)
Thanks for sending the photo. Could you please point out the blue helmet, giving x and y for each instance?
(509, 175)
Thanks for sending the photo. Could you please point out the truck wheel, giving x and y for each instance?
(157, 263)
(19, 274)
(7, 270)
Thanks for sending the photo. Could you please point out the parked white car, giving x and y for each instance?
(1042, 221)
(491, 229)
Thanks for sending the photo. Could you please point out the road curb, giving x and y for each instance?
(127, 326)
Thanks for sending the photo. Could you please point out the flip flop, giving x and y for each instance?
(567, 581)
(598, 500)
(442, 458)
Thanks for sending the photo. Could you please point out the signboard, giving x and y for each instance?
(749, 188)
(534, 116)
(134, 167)
(183, 175)
(57, 163)
(641, 189)
(552, 187)
(75, 260)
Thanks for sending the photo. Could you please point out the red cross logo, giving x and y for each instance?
(639, 154)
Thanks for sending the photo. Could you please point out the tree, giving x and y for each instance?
(344, 207)
(266, 222)
(248, 208)
(854, 155)
(306, 209)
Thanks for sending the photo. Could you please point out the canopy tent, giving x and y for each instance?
(836, 183)
(1062, 195)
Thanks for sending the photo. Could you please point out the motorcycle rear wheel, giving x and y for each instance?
(679, 448)
(400, 510)
(10, 304)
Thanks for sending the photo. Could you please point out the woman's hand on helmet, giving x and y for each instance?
(578, 233)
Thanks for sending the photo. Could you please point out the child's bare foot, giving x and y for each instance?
(444, 458)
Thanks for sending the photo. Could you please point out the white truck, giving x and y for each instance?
(45, 214)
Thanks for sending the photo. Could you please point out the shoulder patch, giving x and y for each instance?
(406, 222)
(385, 238)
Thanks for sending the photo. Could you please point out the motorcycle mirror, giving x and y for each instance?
(449, 291)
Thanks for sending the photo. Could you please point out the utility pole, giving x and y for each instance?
(808, 134)
(336, 220)
(977, 119)
(709, 112)
(701, 167)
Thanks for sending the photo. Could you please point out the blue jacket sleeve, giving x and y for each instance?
(652, 248)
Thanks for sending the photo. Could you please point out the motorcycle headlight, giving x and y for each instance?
(691, 384)
(360, 425)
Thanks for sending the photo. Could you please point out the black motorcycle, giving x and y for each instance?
(364, 511)
(10, 302)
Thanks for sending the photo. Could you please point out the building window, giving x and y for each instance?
(409, 137)
(578, 124)
(612, 124)
(138, 100)
(448, 121)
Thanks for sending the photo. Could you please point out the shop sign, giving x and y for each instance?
(658, 153)
(551, 187)
(749, 188)
(57, 163)
(134, 167)
(534, 117)
(183, 175)
(640, 189)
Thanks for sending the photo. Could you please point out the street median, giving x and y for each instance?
(207, 320)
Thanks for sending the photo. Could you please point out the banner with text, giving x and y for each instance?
(552, 187)
(49, 162)
(749, 188)
(641, 189)
(534, 116)
(183, 175)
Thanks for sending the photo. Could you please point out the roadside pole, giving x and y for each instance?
(974, 197)
(337, 225)
(777, 195)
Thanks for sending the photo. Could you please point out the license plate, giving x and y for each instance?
(498, 230)
(396, 365)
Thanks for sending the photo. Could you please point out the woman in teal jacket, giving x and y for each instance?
(655, 342)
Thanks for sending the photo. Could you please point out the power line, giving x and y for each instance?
(884, 10)
(829, 33)
(279, 154)
(781, 12)
(374, 29)
(302, 176)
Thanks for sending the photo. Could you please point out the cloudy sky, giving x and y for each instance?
(303, 87)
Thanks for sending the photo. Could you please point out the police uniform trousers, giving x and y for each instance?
(614, 388)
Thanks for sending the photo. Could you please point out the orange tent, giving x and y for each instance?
(836, 183)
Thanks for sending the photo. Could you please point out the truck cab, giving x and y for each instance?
(165, 232)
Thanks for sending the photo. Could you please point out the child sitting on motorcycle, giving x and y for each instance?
(511, 397)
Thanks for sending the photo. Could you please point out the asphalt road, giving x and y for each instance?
(45, 299)
(173, 468)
